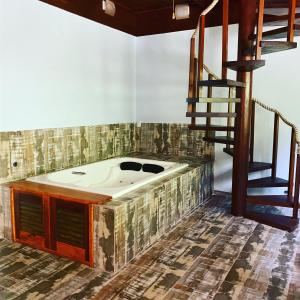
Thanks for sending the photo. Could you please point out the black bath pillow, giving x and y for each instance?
(151, 168)
(130, 166)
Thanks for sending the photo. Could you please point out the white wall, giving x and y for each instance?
(58, 69)
(162, 81)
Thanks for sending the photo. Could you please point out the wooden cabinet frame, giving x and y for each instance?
(51, 202)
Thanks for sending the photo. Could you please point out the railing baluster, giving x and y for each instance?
(195, 78)
(201, 51)
(275, 146)
(251, 151)
(192, 75)
(297, 186)
(291, 22)
(292, 165)
(259, 31)
(192, 70)
(209, 105)
(225, 37)
(230, 110)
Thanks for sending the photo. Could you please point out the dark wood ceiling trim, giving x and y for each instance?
(160, 21)
(124, 20)
(152, 21)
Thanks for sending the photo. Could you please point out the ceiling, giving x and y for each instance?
(146, 5)
(145, 17)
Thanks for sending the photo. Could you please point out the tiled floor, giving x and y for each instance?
(210, 255)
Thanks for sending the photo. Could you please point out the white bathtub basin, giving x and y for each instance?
(106, 177)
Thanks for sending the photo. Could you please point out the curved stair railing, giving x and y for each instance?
(197, 59)
(260, 43)
(291, 200)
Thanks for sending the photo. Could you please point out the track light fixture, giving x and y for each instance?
(180, 11)
(109, 7)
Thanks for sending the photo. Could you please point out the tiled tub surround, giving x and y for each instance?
(128, 225)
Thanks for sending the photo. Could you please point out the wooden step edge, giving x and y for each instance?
(274, 20)
(229, 151)
(211, 128)
(245, 65)
(219, 140)
(213, 100)
(277, 221)
(210, 115)
(270, 200)
(269, 47)
(270, 33)
(267, 182)
(259, 166)
(221, 83)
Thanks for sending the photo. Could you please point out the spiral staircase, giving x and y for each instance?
(238, 132)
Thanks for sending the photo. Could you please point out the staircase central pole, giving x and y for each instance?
(247, 23)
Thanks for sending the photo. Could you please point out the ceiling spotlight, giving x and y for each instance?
(109, 7)
(180, 11)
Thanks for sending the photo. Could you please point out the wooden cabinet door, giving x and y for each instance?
(71, 229)
(29, 219)
(59, 226)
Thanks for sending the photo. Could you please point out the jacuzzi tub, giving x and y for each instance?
(106, 177)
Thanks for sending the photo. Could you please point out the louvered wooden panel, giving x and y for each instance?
(55, 225)
(71, 224)
(30, 213)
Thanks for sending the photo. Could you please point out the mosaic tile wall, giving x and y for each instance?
(5, 213)
(128, 225)
(173, 139)
(47, 150)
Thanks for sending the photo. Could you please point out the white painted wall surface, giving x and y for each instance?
(58, 69)
(162, 82)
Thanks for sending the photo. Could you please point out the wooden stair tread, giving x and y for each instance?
(211, 127)
(267, 182)
(210, 115)
(277, 221)
(220, 140)
(259, 166)
(278, 33)
(269, 47)
(221, 83)
(272, 200)
(213, 100)
(244, 65)
(276, 46)
(278, 20)
(254, 166)
(229, 151)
